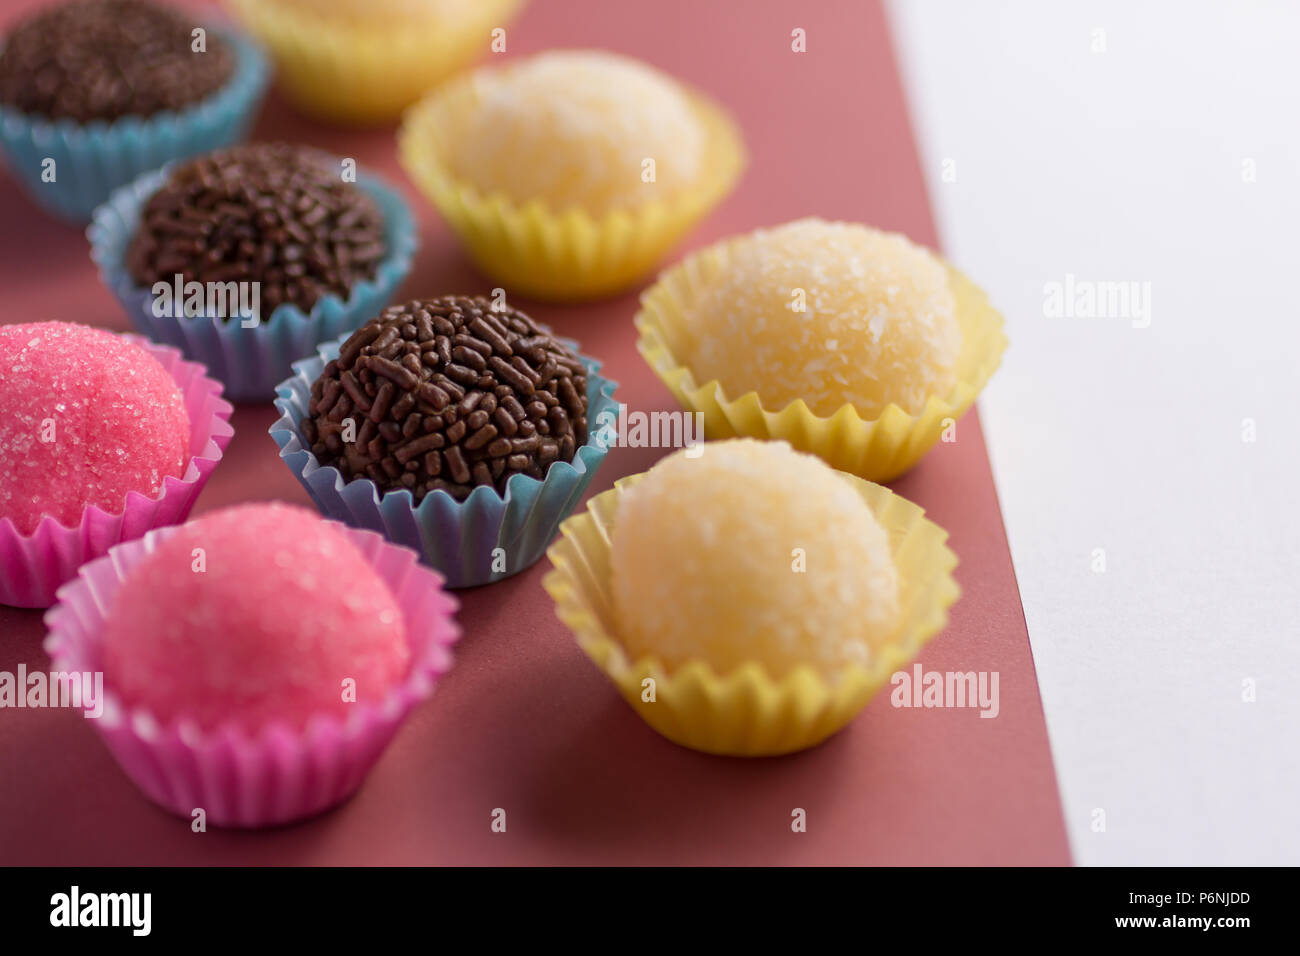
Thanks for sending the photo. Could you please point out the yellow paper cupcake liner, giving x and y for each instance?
(747, 713)
(878, 449)
(368, 72)
(560, 255)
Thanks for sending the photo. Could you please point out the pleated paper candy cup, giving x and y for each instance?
(278, 774)
(250, 361)
(569, 254)
(91, 160)
(485, 538)
(366, 72)
(32, 567)
(878, 449)
(748, 713)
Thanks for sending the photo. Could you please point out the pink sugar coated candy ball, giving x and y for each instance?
(85, 417)
(254, 614)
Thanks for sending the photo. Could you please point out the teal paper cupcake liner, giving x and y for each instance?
(467, 541)
(250, 362)
(91, 160)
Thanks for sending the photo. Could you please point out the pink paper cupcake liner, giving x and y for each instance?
(33, 566)
(278, 774)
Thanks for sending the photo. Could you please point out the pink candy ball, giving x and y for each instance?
(85, 417)
(254, 614)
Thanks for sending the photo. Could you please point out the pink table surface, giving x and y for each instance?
(524, 722)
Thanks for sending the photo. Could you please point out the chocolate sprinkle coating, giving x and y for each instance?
(270, 213)
(105, 59)
(448, 394)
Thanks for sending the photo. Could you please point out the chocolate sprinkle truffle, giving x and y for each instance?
(274, 214)
(448, 393)
(105, 59)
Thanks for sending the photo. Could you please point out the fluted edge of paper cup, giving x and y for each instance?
(878, 449)
(563, 255)
(250, 361)
(278, 774)
(467, 541)
(746, 712)
(32, 567)
(91, 160)
(365, 77)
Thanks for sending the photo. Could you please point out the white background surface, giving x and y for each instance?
(1131, 165)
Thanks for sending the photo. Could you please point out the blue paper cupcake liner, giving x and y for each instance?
(464, 540)
(250, 362)
(93, 159)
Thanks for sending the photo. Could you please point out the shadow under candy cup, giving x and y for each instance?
(251, 361)
(32, 567)
(485, 538)
(747, 712)
(91, 160)
(278, 774)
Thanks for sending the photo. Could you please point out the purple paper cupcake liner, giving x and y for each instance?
(279, 774)
(33, 566)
